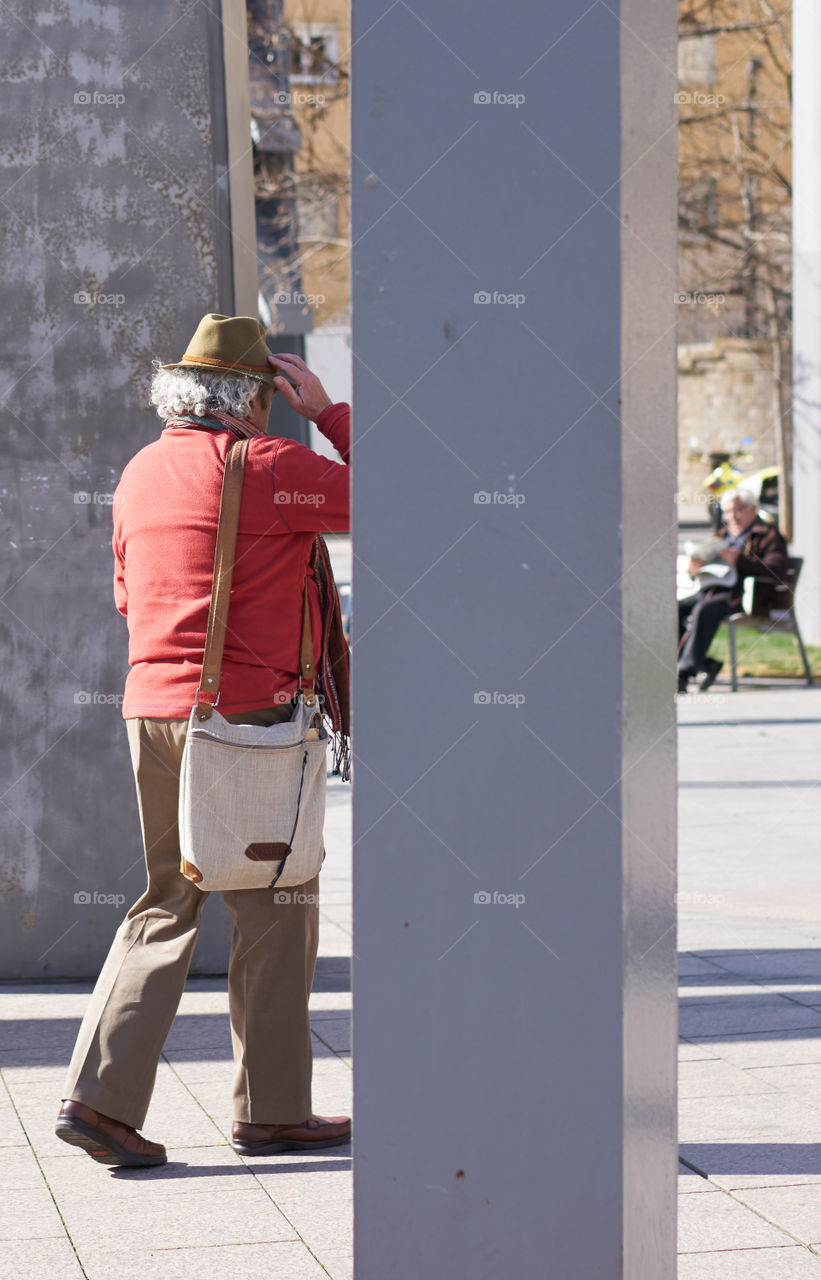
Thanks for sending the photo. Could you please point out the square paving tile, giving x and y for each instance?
(29, 1214)
(749, 1264)
(193, 1221)
(765, 1048)
(796, 1208)
(50, 1259)
(708, 1223)
(713, 1078)
(275, 1260)
(774, 1115)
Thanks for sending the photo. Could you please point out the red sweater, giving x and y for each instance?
(165, 530)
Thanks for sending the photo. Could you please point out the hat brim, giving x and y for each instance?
(215, 366)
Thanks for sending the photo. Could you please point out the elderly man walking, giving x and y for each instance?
(752, 548)
(165, 522)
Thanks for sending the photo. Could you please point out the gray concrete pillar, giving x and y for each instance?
(514, 639)
(807, 312)
(124, 219)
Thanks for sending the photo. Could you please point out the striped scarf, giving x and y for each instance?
(334, 662)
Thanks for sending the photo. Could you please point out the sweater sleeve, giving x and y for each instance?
(311, 492)
(335, 423)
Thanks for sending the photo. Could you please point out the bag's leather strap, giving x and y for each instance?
(230, 500)
(306, 652)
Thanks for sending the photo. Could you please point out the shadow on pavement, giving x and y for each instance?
(751, 1158)
(179, 1169)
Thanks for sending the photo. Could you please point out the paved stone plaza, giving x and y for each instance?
(207, 1212)
(750, 1208)
(750, 929)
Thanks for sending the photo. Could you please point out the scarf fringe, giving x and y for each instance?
(334, 672)
(341, 757)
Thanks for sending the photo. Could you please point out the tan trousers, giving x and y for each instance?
(270, 969)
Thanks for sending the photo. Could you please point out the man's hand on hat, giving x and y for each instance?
(302, 389)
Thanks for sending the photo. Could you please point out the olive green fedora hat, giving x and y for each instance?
(228, 344)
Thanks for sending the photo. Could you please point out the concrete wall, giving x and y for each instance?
(114, 240)
(514, 640)
(649, 537)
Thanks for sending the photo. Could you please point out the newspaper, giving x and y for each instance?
(715, 572)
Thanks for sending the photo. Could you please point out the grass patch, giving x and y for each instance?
(759, 653)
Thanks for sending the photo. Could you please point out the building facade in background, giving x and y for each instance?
(299, 101)
(319, 63)
(735, 206)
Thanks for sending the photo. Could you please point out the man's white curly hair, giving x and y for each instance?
(175, 391)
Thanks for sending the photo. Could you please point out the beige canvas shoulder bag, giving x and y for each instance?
(252, 797)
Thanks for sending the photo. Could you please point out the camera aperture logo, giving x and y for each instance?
(496, 899)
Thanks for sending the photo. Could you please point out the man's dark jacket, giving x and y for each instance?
(763, 555)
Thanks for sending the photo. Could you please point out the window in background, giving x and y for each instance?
(314, 53)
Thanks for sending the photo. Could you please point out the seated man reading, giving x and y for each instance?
(750, 548)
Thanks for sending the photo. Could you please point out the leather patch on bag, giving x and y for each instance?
(190, 871)
(261, 852)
